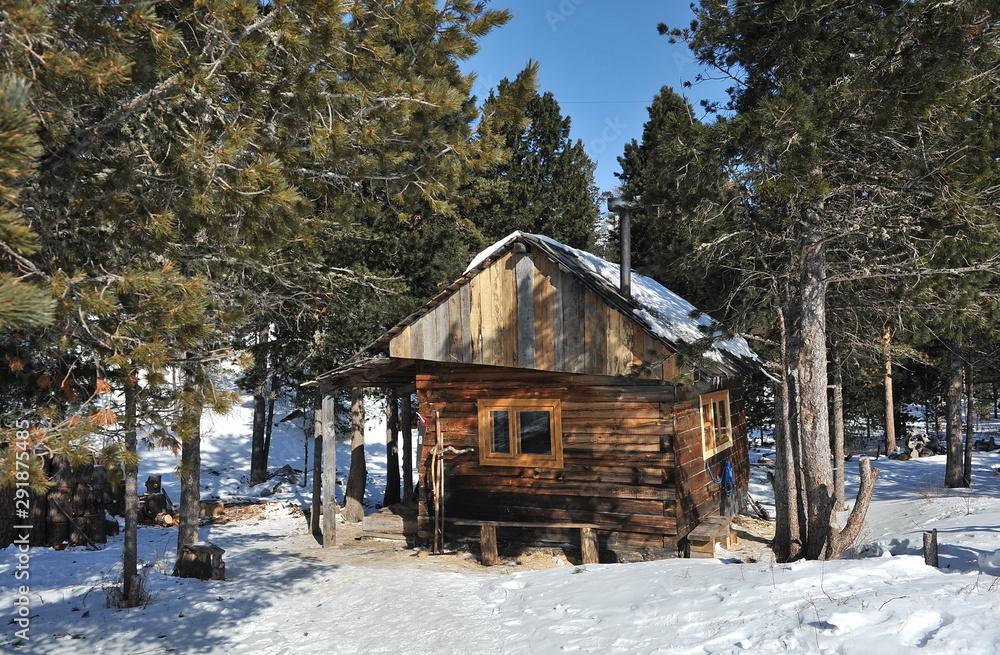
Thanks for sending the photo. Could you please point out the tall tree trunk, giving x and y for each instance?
(272, 395)
(391, 448)
(839, 436)
(970, 417)
(938, 402)
(807, 352)
(130, 558)
(787, 543)
(953, 419)
(317, 488)
(258, 459)
(890, 409)
(189, 429)
(357, 478)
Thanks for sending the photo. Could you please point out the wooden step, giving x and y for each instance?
(711, 531)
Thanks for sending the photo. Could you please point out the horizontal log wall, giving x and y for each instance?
(617, 449)
(524, 311)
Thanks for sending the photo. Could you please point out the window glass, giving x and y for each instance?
(716, 426)
(721, 421)
(708, 425)
(501, 431)
(536, 436)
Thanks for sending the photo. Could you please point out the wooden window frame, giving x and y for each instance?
(515, 458)
(710, 406)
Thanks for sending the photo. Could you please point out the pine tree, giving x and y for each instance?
(186, 145)
(22, 303)
(546, 183)
(672, 174)
(846, 134)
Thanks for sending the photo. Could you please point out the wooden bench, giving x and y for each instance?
(488, 536)
(711, 531)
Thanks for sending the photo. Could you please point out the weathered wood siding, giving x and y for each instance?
(698, 494)
(618, 440)
(524, 311)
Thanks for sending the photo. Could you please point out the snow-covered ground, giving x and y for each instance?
(285, 595)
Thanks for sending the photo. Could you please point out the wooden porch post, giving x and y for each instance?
(317, 488)
(329, 470)
(391, 448)
(407, 449)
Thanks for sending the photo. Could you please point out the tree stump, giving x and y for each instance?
(202, 560)
(931, 548)
(212, 508)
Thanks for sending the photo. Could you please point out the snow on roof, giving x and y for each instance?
(660, 310)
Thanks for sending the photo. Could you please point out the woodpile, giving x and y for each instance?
(985, 445)
(73, 512)
(155, 506)
(917, 446)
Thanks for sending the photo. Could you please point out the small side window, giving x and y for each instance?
(520, 433)
(716, 424)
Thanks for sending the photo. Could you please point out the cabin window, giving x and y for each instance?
(716, 425)
(520, 433)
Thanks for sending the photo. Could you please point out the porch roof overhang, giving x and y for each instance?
(379, 371)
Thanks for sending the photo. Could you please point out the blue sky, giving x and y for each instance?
(603, 60)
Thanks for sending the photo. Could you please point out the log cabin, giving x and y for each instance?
(556, 396)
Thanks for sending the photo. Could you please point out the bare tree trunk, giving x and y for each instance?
(391, 448)
(258, 463)
(130, 558)
(317, 488)
(937, 414)
(787, 543)
(840, 502)
(807, 352)
(272, 395)
(844, 539)
(357, 478)
(953, 476)
(890, 409)
(189, 429)
(970, 402)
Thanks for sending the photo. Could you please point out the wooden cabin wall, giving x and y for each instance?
(617, 451)
(524, 311)
(698, 494)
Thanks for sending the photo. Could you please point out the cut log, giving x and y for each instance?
(212, 508)
(154, 505)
